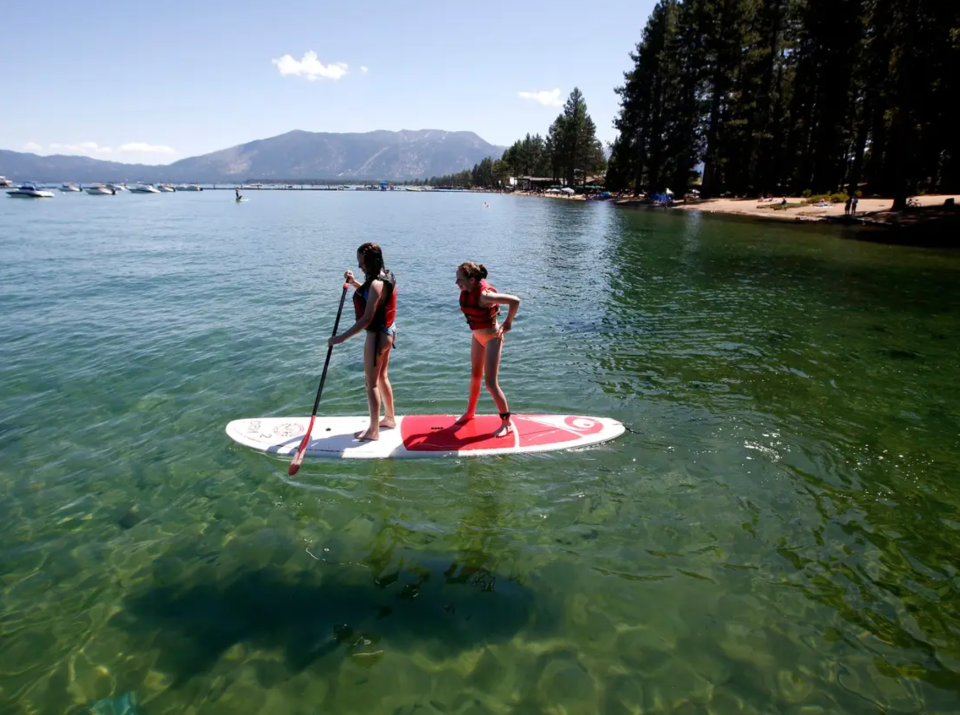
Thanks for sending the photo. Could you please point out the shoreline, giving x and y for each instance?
(930, 223)
(870, 211)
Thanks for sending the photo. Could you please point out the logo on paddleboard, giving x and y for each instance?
(289, 429)
(583, 425)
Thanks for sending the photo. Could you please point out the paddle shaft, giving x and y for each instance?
(326, 363)
(298, 459)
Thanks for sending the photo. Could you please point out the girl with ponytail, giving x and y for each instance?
(480, 303)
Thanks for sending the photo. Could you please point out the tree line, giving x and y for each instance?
(781, 96)
(570, 153)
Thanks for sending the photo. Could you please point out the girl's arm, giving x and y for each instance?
(502, 299)
(376, 290)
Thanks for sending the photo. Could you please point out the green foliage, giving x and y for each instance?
(776, 95)
(576, 151)
(528, 157)
(570, 151)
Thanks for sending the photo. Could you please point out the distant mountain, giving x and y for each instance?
(295, 155)
(18, 166)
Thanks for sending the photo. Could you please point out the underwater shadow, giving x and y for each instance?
(311, 616)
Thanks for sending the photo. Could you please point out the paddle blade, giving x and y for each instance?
(295, 464)
(302, 449)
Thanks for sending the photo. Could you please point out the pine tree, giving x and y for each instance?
(638, 153)
(577, 150)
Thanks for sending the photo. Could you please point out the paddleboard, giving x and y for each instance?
(423, 436)
(240, 201)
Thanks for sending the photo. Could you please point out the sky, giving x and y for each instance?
(157, 82)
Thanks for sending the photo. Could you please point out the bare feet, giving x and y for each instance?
(504, 429)
(371, 435)
(465, 418)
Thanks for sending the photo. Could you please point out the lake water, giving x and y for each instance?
(780, 532)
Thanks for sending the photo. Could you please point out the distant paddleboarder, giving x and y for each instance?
(237, 189)
(480, 303)
(375, 305)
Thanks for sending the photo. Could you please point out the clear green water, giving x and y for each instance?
(781, 534)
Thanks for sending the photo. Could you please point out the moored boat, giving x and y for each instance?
(30, 191)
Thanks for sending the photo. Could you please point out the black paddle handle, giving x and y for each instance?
(326, 363)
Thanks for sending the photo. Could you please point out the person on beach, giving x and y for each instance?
(375, 305)
(480, 303)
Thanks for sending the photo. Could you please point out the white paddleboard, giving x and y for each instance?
(423, 436)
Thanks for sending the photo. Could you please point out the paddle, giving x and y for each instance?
(298, 459)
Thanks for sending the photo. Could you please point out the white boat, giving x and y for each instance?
(165, 188)
(101, 190)
(5, 182)
(30, 191)
(144, 189)
(189, 187)
(118, 187)
(65, 188)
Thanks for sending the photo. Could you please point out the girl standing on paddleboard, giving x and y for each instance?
(481, 303)
(375, 305)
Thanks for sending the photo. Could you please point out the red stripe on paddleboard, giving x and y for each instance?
(439, 433)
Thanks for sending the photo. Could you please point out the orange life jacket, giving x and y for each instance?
(479, 316)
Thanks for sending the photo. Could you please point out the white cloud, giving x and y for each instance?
(144, 148)
(86, 148)
(548, 98)
(141, 151)
(364, 69)
(310, 67)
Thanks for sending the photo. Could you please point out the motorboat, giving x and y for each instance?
(66, 188)
(30, 191)
(5, 182)
(101, 190)
(118, 187)
(144, 189)
(165, 188)
(189, 187)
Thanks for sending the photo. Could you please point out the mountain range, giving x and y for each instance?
(377, 155)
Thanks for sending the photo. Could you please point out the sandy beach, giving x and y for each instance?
(752, 207)
(797, 210)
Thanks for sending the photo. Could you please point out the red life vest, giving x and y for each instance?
(477, 315)
(386, 308)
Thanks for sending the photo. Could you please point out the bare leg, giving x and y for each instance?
(371, 373)
(389, 420)
(492, 369)
(476, 374)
